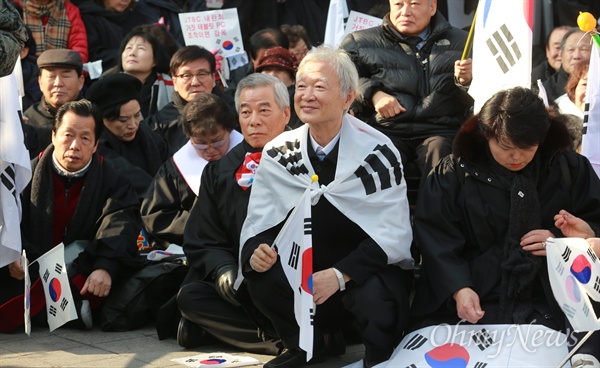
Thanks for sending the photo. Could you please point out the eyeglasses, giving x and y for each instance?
(187, 77)
(216, 144)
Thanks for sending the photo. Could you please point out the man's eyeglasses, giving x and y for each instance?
(216, 144)
(187, 77)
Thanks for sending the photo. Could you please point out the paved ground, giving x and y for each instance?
(94, 348)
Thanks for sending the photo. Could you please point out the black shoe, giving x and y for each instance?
(289, 359)
(295, 357)
(190, 335)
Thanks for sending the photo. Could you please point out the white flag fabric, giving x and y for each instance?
(59, 300)
(294, 246)
(26, 294)
(574, 272)
(334, 28)
(480, 346)
(15, 171)
(502, 48)
(590, 143)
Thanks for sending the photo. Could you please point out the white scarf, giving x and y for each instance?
(191, 166)
(383, 213)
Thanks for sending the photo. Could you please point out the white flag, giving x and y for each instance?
(590, 143)
(15, 171)
(501, 48)
(59, 300)
(334, 28)
(294, 245)
(574, 272)
(480, 346)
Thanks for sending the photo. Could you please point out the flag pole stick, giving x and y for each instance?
(469, 44)
(587, 336)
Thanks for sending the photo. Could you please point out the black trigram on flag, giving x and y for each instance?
(480, 365)
(597, 284)
(52, 310)
(308, 226)
(46, 275)
(294, 256)
(289, 156)
(504, 48)
(58, 268)
(585, 310)
(411, 366)
(312, 316)
(482, 339)
(568, 310)
(566, 254)
(586, 118)
(7, 177)
(373, 162)
(560, 268)
(592, 255)
(415, 342)
(63, 303)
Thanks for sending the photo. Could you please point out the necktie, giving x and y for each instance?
(320, 153)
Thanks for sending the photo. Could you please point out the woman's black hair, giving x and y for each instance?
(161, 60)
(517, 116)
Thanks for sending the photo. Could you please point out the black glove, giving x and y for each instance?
(225, 277)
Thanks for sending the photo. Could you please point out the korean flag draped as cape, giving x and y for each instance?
(368, 187)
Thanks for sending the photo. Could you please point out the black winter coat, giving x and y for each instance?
(106, 29)
(462, 218)
(422, 81)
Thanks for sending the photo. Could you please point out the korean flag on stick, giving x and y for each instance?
(574, 272)
(591, 121)
(501, 47)
(59, 300)
(294, 245)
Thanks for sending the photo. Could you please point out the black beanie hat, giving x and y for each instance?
(114, 90)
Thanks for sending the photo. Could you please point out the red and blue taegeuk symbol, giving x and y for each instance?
(213, 361)
(581, 269)
(227, 45)
(54, 289)
(307, 258)
(447, 355)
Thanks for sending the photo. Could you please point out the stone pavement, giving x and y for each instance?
(133, 349)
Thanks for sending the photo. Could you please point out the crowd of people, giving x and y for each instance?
(158, 152)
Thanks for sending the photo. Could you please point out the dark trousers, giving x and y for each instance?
(378, 309)
(426, 151)
(200, 303)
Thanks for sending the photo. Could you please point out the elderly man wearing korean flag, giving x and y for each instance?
(359, 221)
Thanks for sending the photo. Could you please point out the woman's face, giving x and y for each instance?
(117, 6)
(580, 92)
(510, 156)
(211, 146)
(138, 56)
(125, 127)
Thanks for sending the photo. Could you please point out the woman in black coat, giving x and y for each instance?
(485, 213)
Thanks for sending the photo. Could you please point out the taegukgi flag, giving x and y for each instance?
(15, 171)
(590, 147)
(480, 346)
(334, 28)
(574, 272)
(59, 300)
(294, 246)
(502, 48)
